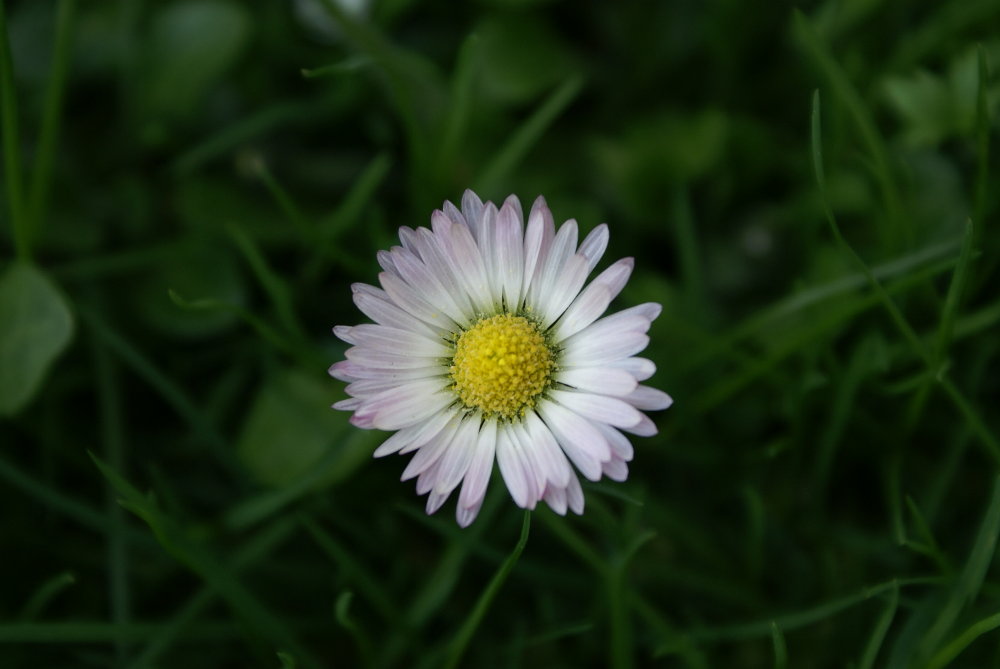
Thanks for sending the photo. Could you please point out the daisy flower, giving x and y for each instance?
(487, 346)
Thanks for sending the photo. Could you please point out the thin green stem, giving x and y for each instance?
(461, 640)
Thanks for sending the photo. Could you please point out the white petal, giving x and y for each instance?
(606, 380)
(560, 251)
(485, 242)
(640, 368)
(394, 339)
(348, 370)
(644, 428)
(594, 245)
(517, 480)
(621, 447)
(407, 404)
(384, 311)
(563, 290)
(464, 516)
(574, 496)
(509, 250)
(431, 452)
(530, 461)
(537, 240)
(555, 497)
(408, 299)
(456, 460)
(380, 359)
(466, 262)
(649, 399)
(579, 440)
(415, 436)
(472, 209)
(550, 457)
(426, 284)
(439, 263)
(615, 469)
(350, 404)
(435, 500)
(597, 351)
(478, 475)
(599, 408)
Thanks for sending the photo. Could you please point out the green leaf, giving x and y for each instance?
(35, 327)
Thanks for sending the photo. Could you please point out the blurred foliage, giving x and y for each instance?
(190, 187)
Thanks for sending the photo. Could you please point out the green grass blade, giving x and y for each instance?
(11, 136)
(72, 508)
(848, 96)
(522, 141)
(463, 87)
(970, 580)
(944, 657)
(201, 561)
(45, 594)
(779, 647)
(983, 124)
(878, 634)
(41, 178)
(468, 629)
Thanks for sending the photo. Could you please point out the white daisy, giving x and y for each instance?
(487, 345)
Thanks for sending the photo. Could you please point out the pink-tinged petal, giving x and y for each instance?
(350, 404)
(465, 515)
(427, 478)
(509, 250)
(411, 438)
(518, 482)
(408, 403)
(550, 457)
(439, 263)
(640, 368)
(563, 290)
(584, 310)
(429, 286)
(430, 429)
(616, 276)
(579, 440)
(467, 263)
(431, 452)
(456, 460)
(379, 359)
(538, 237)
(605, 380)
(472, 209)
(452, 212)
(574, 496)
(515, 203)
(345, 333)
(529, 456)
(407, 297)
(435, 500)
(408, 237)
(384, 259)
(555, 497)
(599, 408)
(644, 428)
(347, 370)
(615, 469)
(478, 476)
(550, 271)
(394, 339)
(621, 447)
(649, 399)
(485, 242)
(594, 246)
(384, 311)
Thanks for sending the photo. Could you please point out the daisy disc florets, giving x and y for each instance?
(487, 346)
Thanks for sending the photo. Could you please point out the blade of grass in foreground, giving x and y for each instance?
(41, 178)
(202, 562)
(11, 136)
(461, 640)
(517, 147)
(971, 579)
(975, 421)
(878, 634)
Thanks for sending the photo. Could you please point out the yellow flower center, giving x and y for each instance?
(501, 365)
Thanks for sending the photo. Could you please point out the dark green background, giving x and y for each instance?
(213, 175)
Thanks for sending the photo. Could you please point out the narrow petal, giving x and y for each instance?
(472, 209)
(384, 311)
(640, 368)
(602, 408)
(649, 399)
(426, 284)
(594, 245)
(550, 457)
(563, 290)
(431, 452)
(644, 428)
(574, 496)
(621, 447)
(579, 440)
(416, 435)
(409, 300)
(555, 497)
(465, 515)
(395, 339)
(615, 469)
(509, 249)
(456, 460)
(537, 240)
(511, 469)
(603, 350)
(584, 310)
(606, 380)
(478, 475)
(407, 404)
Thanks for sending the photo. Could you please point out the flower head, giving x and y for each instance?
(486, 345)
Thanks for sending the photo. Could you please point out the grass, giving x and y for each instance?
(198, 184)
